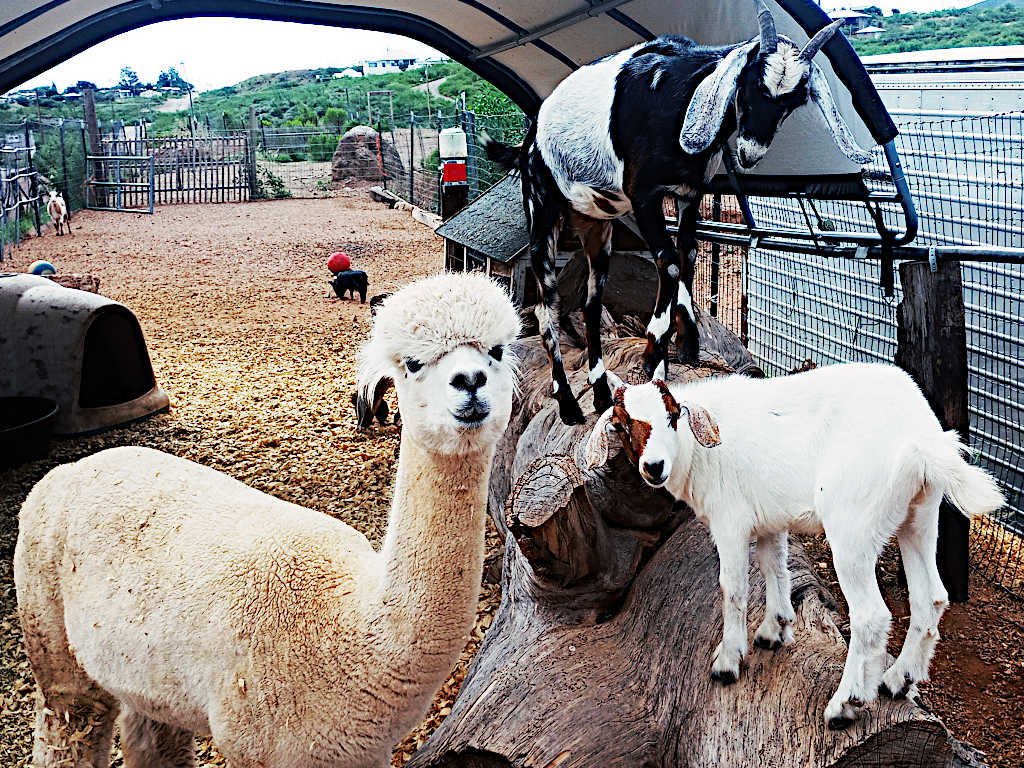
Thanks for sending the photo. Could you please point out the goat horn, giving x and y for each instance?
(823, 36)
(765, 20)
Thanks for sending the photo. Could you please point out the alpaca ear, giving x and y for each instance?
(702, 424)
(711, 100)
(595, 453)
(820, 93)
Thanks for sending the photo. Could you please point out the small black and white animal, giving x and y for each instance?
(351, 281)
(619, 134)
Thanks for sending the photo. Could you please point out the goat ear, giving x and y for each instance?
(595, 453)
(614, 381)
(711, 100)
(702, 424)
(821, 94)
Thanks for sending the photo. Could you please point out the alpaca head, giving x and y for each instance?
(446, 342)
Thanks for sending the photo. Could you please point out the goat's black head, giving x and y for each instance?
(765, 79)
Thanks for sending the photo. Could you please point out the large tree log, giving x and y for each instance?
(600, 652)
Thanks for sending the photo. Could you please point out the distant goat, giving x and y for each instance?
(350, 281)
(853, 450)
(58, 210)
(607, 142)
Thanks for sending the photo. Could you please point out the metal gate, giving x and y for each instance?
(119, 183)
(193, 169)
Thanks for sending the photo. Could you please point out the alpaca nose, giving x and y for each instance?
(653, 469)
(469, 382)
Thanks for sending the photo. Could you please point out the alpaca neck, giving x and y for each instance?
(432, 563)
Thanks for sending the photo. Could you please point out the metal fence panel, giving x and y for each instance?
(966, 176)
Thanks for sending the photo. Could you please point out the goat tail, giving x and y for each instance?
(508, 157)
(967, 487)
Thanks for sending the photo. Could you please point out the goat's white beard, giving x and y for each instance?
(783, 70)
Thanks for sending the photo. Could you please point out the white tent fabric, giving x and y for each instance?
(524, 47)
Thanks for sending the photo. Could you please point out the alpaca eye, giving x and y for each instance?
(413, 365)
(496, 351)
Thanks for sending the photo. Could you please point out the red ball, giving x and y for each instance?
(339, 262)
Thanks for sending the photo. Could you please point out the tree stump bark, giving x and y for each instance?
(600, 652)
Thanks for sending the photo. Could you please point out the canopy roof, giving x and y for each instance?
(524, 47)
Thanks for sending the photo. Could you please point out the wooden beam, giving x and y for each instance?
(932, 348)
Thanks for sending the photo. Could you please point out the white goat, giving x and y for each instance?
(853, 450)
(58, 210)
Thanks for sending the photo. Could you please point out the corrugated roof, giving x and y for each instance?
(494, 224)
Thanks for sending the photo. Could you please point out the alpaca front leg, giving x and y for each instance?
(149, 744)
(773, 559)
(733, 577)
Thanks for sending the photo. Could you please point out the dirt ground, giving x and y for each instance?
(259, 365)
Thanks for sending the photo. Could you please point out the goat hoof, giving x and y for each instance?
(725, 677)
(839, 723)
(766, 644)
(570, 413)
(896, 695)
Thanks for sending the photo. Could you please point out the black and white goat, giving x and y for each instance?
(619, 134)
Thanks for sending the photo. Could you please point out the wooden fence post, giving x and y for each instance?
(932, 347)
(95, 148)
(33, 178)
(251, 154)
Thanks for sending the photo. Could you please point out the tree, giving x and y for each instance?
(872, 10)
(337, 117)
(170, 78)
(85, 85)
(129, 80)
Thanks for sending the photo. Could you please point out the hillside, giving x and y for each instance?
(294, 97)
(985, 5)
(991, 22)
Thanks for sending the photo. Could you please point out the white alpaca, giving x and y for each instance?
(853, 450)
(58, 210)
(192, 603)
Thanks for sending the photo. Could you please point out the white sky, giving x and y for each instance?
(214, 52)
(220, 51)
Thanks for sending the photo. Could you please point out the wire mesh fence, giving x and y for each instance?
(966, 177)
(397, 151)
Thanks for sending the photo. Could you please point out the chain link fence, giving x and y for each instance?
(966, 177)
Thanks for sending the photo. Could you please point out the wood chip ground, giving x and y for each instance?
(259, 361)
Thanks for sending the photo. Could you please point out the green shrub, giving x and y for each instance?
(321, 146)
(269, 184)
(297, 157)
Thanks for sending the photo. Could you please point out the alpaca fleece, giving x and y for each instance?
(188, 602)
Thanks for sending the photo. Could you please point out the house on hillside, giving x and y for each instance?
(853, 21)
(387, 66)
(869, 33)
(490, 235)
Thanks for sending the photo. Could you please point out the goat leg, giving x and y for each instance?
(651, 220)
(687, 338)
(544, 217)
(597, 245)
